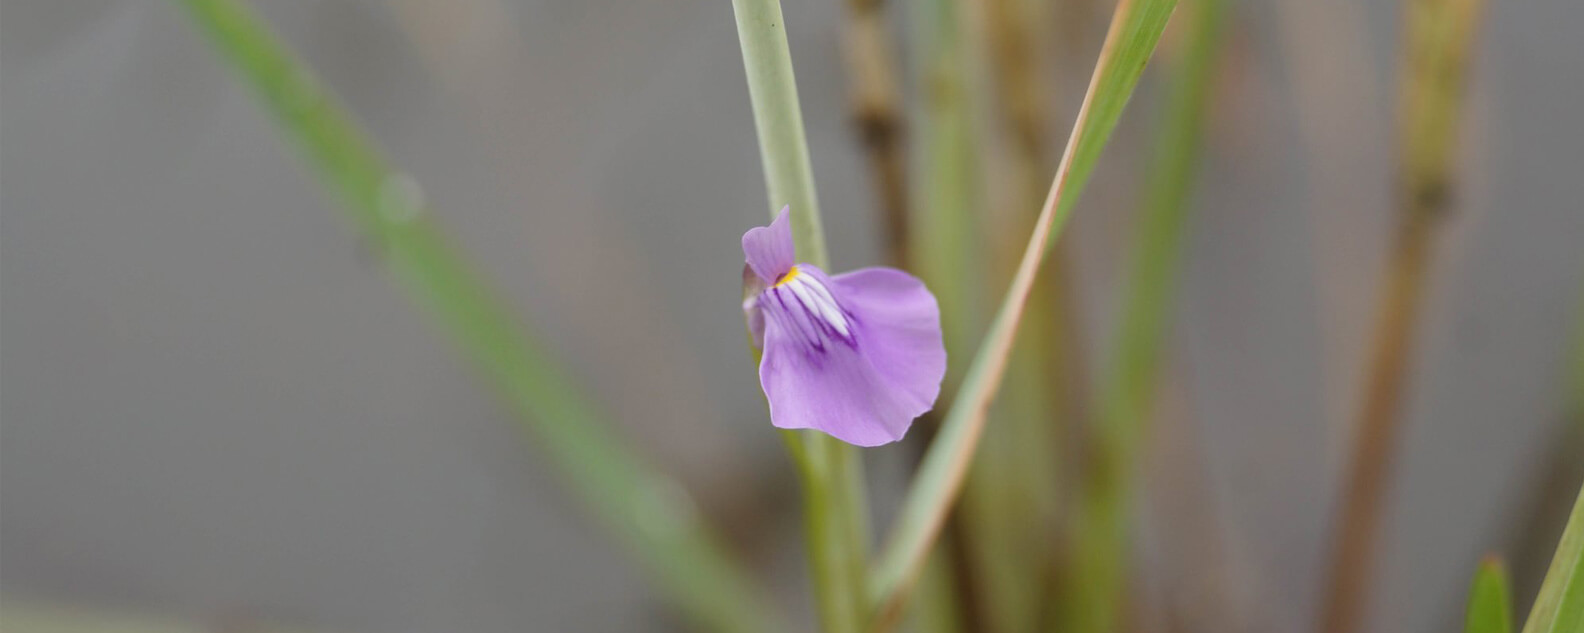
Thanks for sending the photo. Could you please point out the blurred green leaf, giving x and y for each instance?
(1490, 599)
(1092, 589)
(1135, 29)
(648, 511)
(1560, 606)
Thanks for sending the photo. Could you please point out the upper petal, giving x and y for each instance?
(769, 249)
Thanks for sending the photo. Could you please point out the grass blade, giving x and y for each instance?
(645, 509)
(1093, 586)
(1542, 508)
(1490, 599)
(835, 510)
(1560, 606)
(1135, 29)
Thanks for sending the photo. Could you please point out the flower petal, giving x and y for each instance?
(769, 249)
(866, 388)
(900, 331)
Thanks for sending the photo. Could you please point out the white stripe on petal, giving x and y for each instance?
(818, 299)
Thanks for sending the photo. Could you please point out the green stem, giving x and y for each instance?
(836, 513)
(649, 512)
(778, 119)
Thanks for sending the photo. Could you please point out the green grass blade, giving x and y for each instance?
(1135, 29)
(646, 510)
(1542, 508)
(831, 472)
(1560, 606)
(1108, 94)
(1490, 599)
(1092, 591)
(1132, 366)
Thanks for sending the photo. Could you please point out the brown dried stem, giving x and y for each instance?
(1438, 38)
(877, 114)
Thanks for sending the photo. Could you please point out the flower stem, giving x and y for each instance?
(1438, 38)
(646, 510)
(778, 119)
(836, 513)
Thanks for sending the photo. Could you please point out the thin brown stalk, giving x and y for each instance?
(1438, 37)
(877, 114)
(1376, 432)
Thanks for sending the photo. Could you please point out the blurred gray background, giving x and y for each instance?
(215, 405)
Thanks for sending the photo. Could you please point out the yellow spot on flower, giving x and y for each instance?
(791, 274)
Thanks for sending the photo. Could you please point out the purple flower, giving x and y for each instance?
(856, 355)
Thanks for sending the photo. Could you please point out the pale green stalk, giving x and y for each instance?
(778, 119)
(1095, 579)
(1490, 599)
(835, 512)
(1135, 29)
(649, 512)
(1560, 606)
